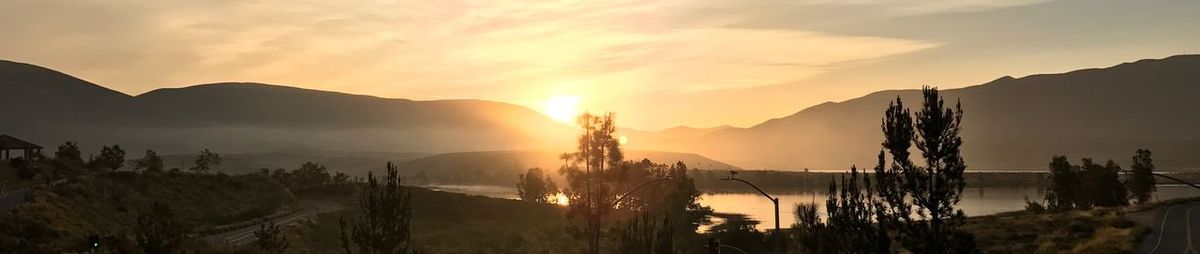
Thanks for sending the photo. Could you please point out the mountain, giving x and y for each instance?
(1008, 124)
(50, 107)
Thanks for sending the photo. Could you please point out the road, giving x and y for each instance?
(1176, 228)
(245, 235)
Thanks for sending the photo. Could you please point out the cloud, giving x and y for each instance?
(482, 49)
(911, 7)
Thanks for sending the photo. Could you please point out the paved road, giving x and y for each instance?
(1176, 229)
(245, 235)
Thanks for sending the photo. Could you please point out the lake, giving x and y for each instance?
(975, 201)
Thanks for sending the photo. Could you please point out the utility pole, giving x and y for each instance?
(774, 200)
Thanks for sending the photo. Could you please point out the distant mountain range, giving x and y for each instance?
(1008, 124)
(49, 107)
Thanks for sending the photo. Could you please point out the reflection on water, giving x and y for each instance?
(975, 201)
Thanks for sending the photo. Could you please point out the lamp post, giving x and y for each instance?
(774, 200)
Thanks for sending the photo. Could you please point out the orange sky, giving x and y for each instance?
(658, 64)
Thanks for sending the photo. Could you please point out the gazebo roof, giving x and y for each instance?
(9, 142)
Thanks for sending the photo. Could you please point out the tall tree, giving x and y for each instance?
(151, 162)
(932, 190)
(383, 226)
(270, 238)
(1064, 181)
(590, 195)
(159, 232)
(534, 186)
(206, 160)
(1101, 185)
(1141, 183)
(111, 158)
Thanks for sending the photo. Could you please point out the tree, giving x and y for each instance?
(69, 152)
(151, 162)
(270, 238)
(589, 195)
(1141, 182)
(206, 160)
(933, 189)
(852, 227)
(1064, 181)
(310, 175)
(534, 187)
(1101, 185)
(383, 226)
(159, 232)
(111, 158)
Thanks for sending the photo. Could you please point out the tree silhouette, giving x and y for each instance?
(533, 186)
(159, 232)
(383, 227)
(590, 195)
(1064, 181)
(205, 161)
(68, 152)
(151, 162)
(111, 158)
(931, 190)
(310, 175)
(1101, 185)
(270, 238)
(1141, 183)
(852, 227)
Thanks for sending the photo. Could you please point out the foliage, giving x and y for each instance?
(589, 191)
(159, 231)
(111, 158)
(534, 186)
(69, 152)
(1063, 180)
(739, 232)
(644, 202)
(205, 161)
(1085, 186)
(1141, 183)
(151, 162)
(310, 175)
(932, 190)
(56, 217)
(270, 238)
(383, 226)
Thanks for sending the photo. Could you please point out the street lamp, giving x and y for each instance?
(774, 200)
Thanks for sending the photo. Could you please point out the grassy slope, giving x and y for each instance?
(456, 223)
(109, 204)
(1094, 231)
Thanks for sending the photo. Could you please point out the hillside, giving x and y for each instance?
(50, 107)
(1009, 123)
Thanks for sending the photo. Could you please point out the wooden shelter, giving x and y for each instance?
(10, 143)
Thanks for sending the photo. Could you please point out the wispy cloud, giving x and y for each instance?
(505, 49)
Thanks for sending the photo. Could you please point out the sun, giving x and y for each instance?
(563, 108)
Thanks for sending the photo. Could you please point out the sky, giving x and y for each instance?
(657, 64)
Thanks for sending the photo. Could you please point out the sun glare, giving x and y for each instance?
(562, 108)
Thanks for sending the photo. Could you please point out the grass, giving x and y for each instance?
(1090, 231)
(60, 218)
(456, 223)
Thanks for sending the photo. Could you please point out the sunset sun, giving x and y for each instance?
(562, 108)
